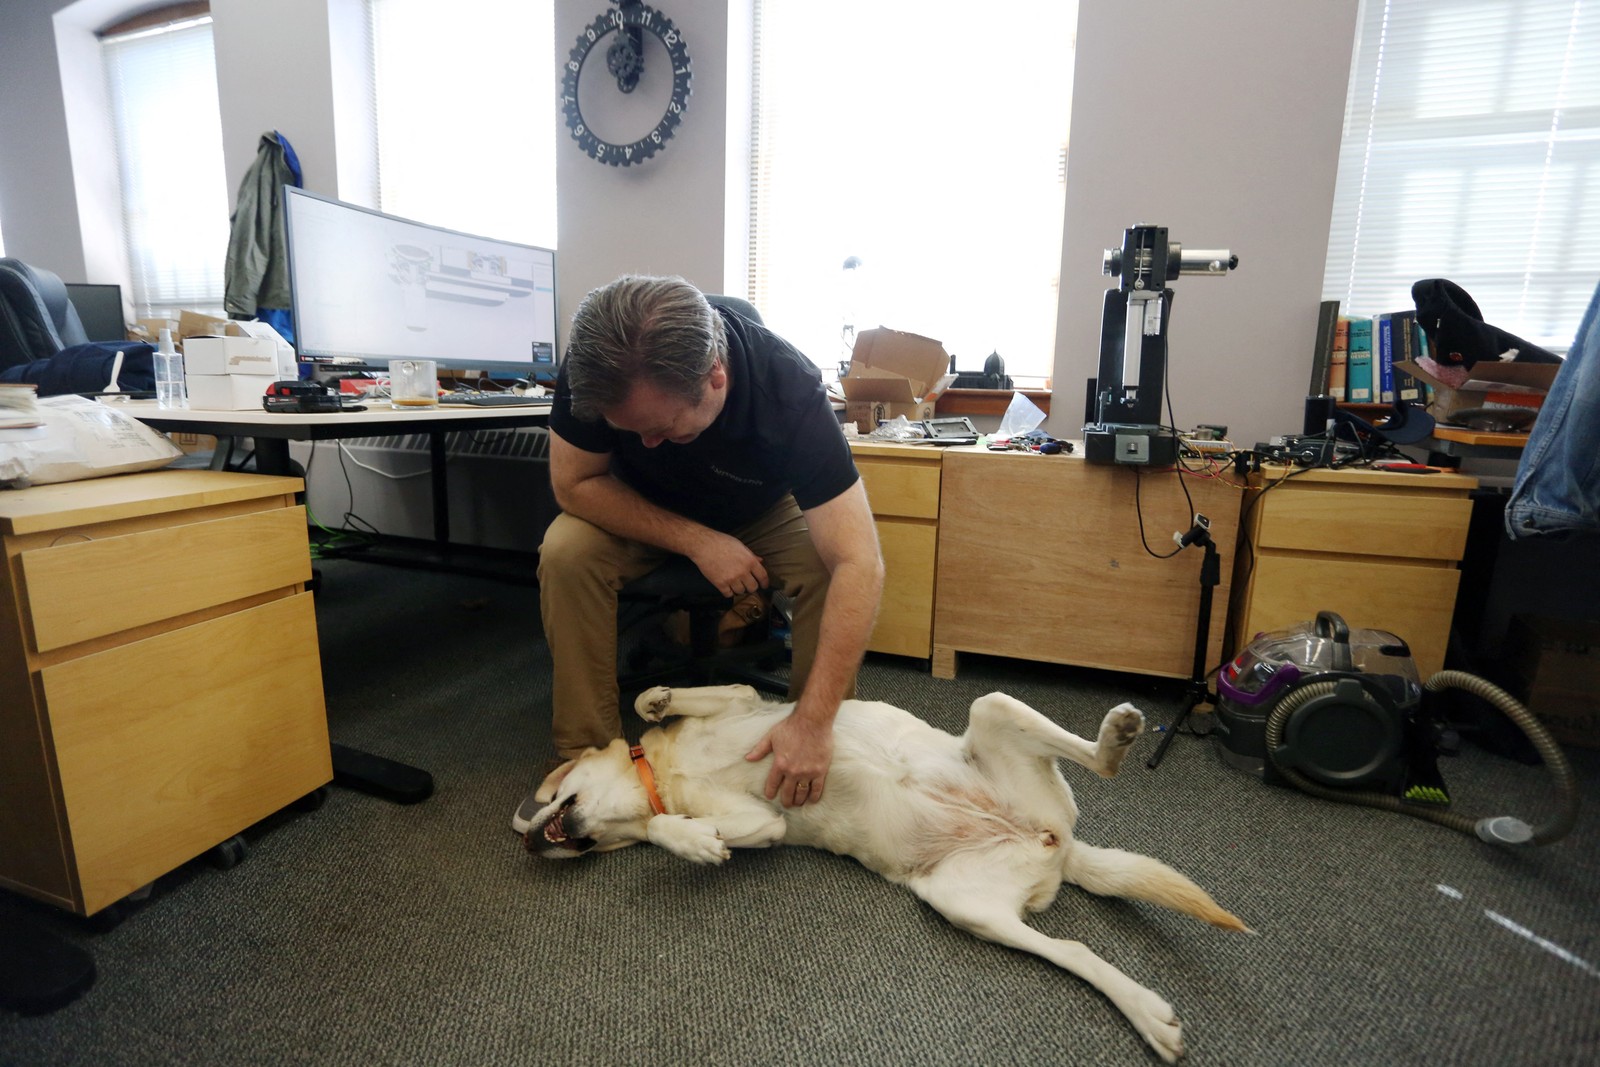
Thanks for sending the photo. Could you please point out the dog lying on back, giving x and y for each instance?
(978, 826)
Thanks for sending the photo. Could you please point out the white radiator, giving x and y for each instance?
(499, 485)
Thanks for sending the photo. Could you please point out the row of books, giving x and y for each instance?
(1356, 359)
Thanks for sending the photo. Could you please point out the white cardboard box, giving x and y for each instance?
(231, 355)
(227, 392)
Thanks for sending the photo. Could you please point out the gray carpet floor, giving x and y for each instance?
(366, 932)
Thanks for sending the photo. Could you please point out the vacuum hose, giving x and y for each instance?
(1499, 829)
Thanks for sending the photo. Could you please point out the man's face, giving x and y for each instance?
(657, 416)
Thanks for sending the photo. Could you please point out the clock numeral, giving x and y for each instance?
(670, 37)
(655, 135)
(616, 19)
(579, 130)
(573, 65)
(675, 108)
(628, 151)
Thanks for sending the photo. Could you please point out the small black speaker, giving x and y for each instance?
(1319, 413)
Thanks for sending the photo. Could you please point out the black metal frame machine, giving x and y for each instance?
(1126, 424)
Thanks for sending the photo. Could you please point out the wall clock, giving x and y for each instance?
(612, 47)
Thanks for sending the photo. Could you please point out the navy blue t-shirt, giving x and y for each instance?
(777, 434)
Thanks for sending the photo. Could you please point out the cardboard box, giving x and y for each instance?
(1557, 662)
(228, 392)
(210, 356)
(1489, 384)
(893, 373)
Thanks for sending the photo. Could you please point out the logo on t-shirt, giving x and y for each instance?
(719, 472)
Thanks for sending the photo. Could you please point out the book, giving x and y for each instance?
(1390, 331)
(1322, 351)
(1339, 358)
(1407, 387)
(1358, 373)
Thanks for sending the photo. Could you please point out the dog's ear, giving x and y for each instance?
(552, 782)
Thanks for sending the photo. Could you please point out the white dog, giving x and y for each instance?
(979, 826)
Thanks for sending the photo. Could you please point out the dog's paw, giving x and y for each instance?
(653, 704)
(1122, 724)
(693, 839)
(1158, 1024)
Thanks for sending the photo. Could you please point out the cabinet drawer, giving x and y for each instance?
(905, 618)
(78, 590)
(169, 745)
(1410, 525)
(901, 489)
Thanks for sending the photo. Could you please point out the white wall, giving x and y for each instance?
(1226, 131)
(1219, 119)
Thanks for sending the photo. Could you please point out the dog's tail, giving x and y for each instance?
(1111, 872)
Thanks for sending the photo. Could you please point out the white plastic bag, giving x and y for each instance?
(1021, 416)
(80, 438)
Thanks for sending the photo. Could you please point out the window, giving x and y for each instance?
(928, 152)
(162, 85)
(465, 100)
(1472, 152)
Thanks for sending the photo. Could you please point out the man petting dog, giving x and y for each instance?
(683, 428)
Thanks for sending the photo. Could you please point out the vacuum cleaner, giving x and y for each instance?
(1344, 716)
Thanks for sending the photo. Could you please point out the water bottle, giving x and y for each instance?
(171, 391)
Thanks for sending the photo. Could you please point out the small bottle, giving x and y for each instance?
(171, 390)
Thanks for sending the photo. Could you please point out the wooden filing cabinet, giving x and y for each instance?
(1044, 558)
(160, 685)
(1379, 548)
(902, 483)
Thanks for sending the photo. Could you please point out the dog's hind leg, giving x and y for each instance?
(658, 702)
(1111, 872)
(1002, 726)
(964, 890)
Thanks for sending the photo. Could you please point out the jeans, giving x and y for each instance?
(1557, 489)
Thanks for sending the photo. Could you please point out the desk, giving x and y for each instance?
(273, 430)
(1040, 558)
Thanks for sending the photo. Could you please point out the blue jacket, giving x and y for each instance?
(1557, 489)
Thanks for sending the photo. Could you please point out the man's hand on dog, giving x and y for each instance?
(801, 751)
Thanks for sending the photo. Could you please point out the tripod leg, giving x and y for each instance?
(1210, 576)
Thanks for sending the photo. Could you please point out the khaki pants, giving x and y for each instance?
(581, 567)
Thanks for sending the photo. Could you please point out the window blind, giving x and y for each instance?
(162, 84)
(465, 115)
(926, 150)
(1471, 151)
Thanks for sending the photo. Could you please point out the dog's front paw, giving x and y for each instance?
(693, 839)
(653, 704)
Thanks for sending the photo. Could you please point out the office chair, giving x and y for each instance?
(677, 585)
(37, 318)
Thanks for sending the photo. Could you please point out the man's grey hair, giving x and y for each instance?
(641, 328)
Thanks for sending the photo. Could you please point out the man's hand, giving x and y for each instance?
(801, 752)
(728, 564)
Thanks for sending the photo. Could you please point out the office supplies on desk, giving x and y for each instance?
(496, 400)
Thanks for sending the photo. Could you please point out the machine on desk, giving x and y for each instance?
(1124, 424)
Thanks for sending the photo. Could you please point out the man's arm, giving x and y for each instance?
(585, 487)
(802, 744)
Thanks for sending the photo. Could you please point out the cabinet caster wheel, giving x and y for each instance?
(228, 854)
(109, 917)
(312, 800)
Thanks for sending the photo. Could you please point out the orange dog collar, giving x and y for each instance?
(647, 778)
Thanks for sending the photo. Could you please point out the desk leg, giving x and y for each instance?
(441, 491)
(943, 664)
(272, 456)
(381, 777)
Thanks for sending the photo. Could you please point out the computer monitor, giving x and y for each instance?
(99, 308)
(375, 287)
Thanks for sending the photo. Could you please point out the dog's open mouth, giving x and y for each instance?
(552, 835)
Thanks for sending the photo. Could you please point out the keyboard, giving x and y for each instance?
(495, 400)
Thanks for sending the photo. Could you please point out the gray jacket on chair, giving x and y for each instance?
(1557, 489)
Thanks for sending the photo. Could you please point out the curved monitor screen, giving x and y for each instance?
(374, 287)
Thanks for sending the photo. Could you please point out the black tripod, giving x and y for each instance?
(1197, 692)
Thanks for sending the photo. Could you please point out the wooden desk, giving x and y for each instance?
(160, 684)
(1380, 548)
(1040, 558)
